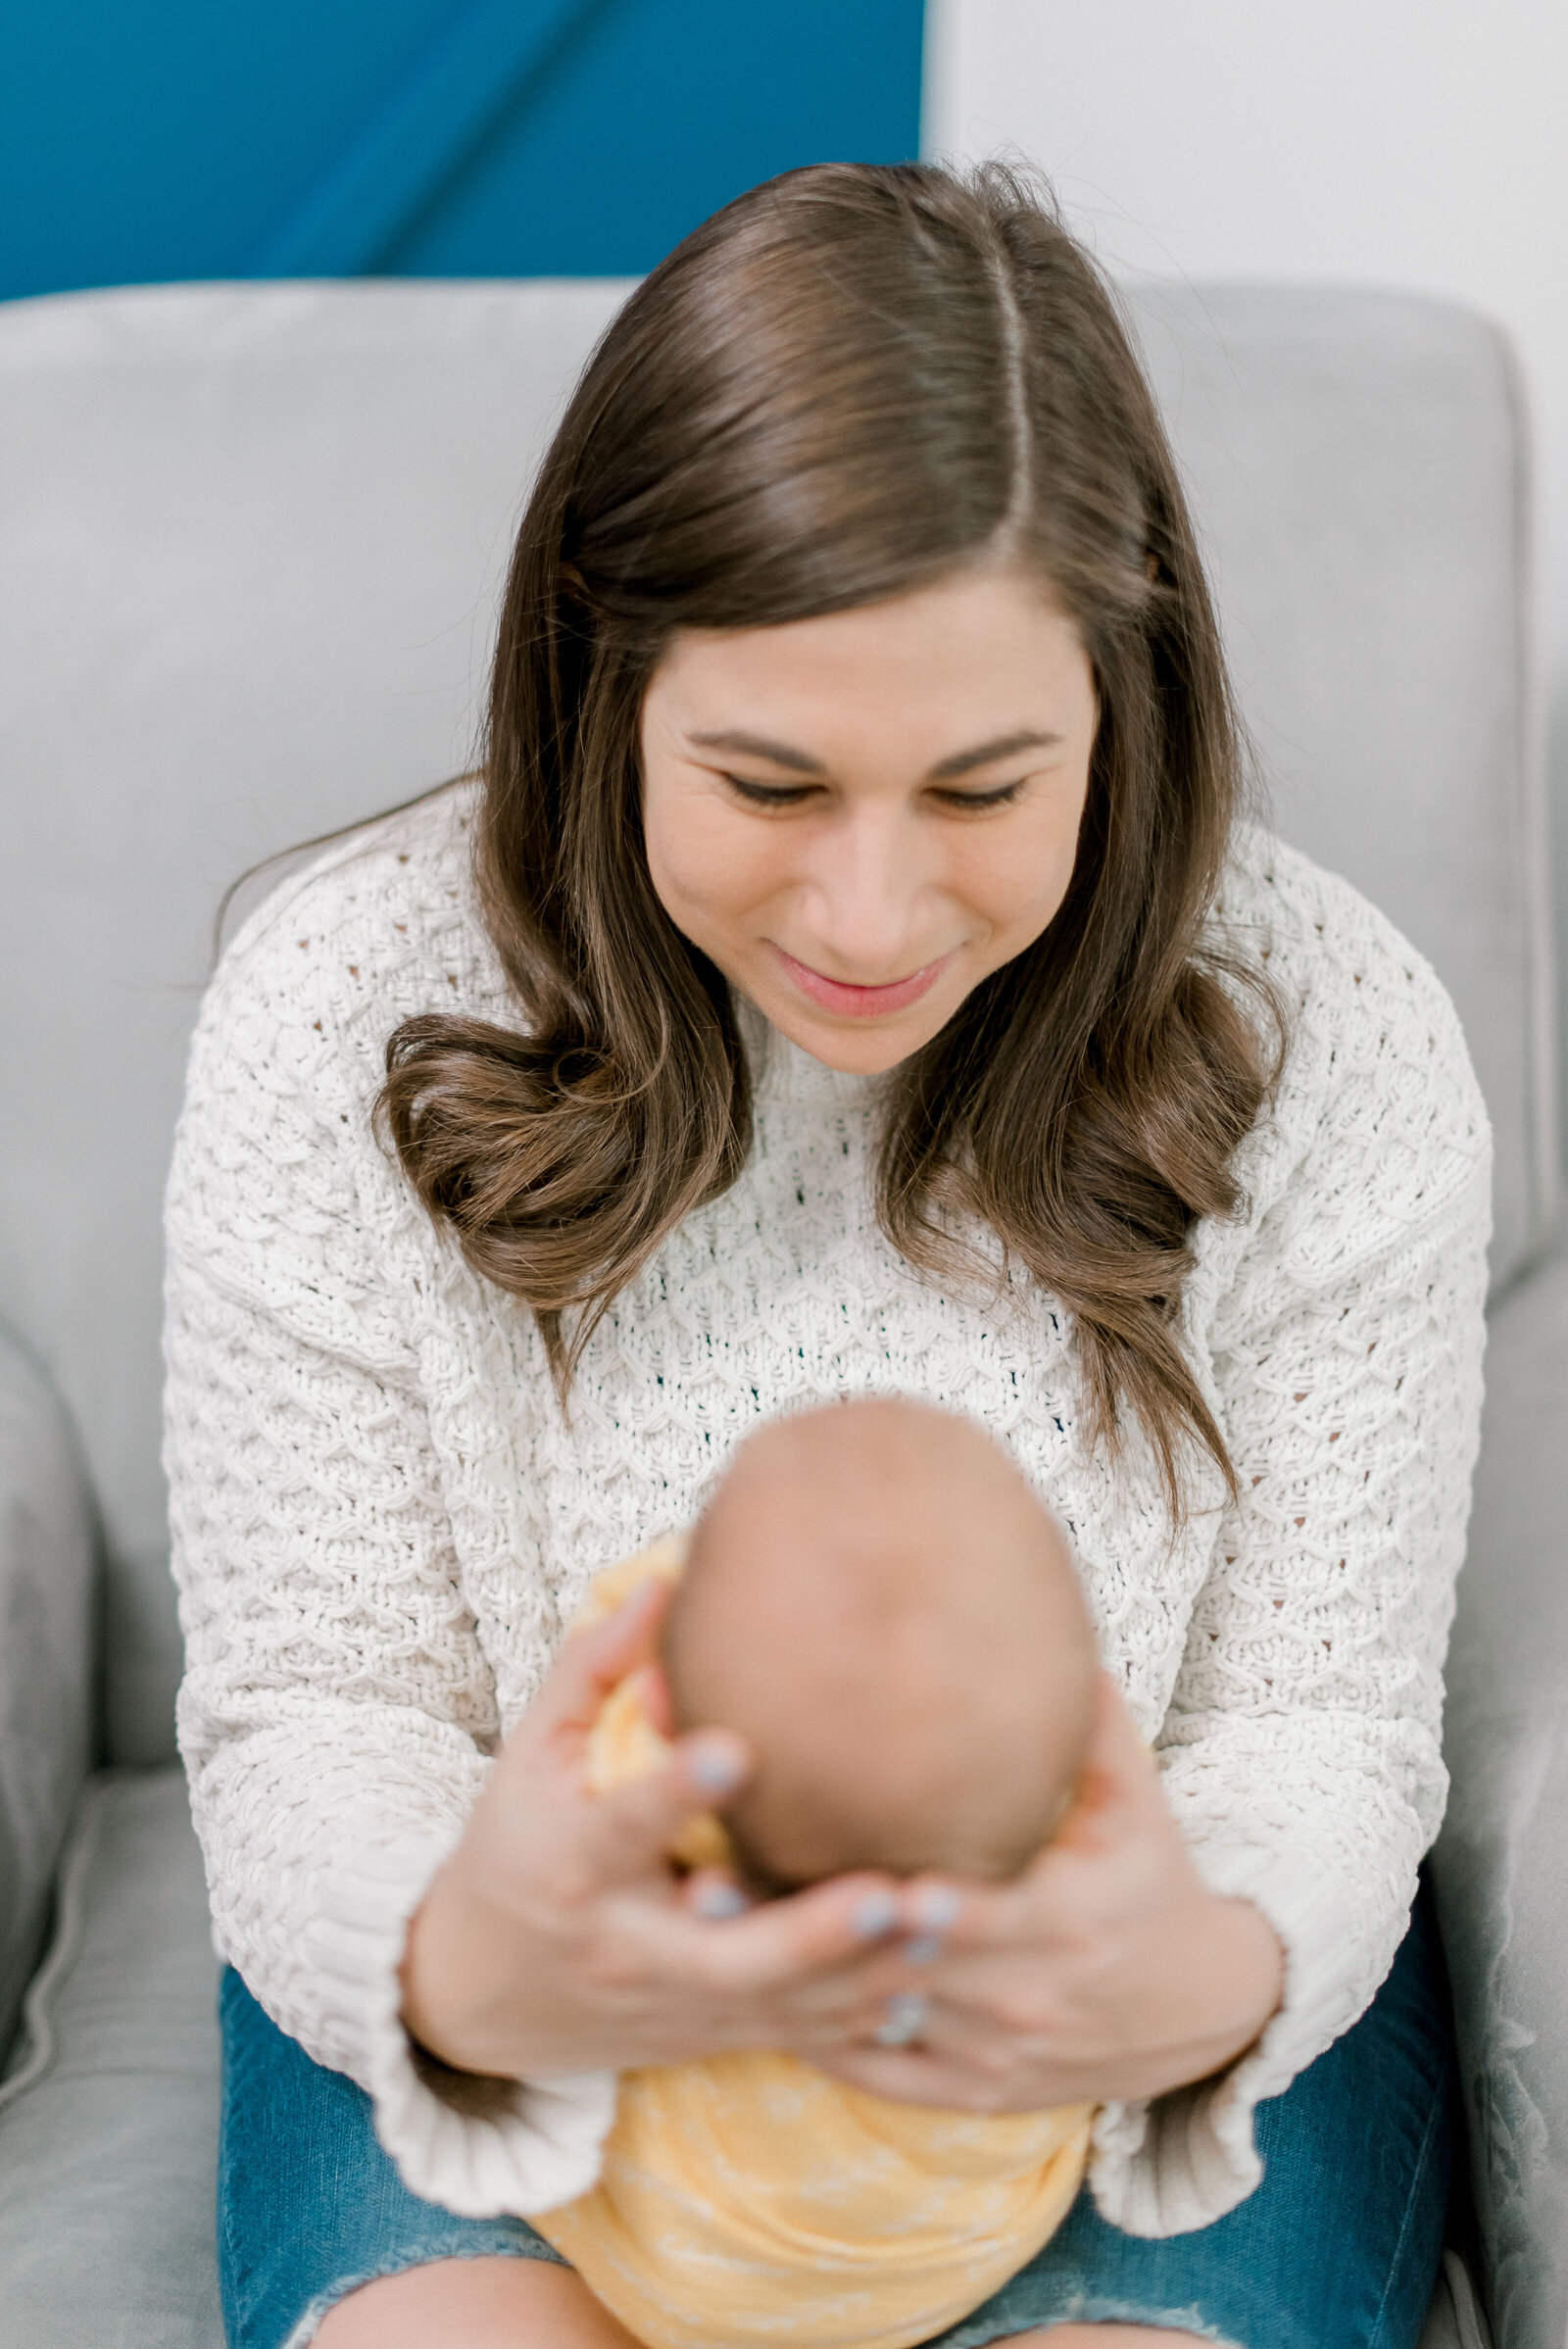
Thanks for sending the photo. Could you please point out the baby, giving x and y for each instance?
(876, 1602)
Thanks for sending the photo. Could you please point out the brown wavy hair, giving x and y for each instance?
(850, 383)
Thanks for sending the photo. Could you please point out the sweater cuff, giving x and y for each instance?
(1181, 2160)
(538, 2148)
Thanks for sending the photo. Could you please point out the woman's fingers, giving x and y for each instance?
(715, 1893)
(627, 1831)
(922, 2076)
(1119, 1778)
(1118, 1799)
(590, 1664)
(764, 1950)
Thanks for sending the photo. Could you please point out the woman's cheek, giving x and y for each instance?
(709, 870)
(1016, 884)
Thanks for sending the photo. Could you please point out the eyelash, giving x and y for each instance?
(790, 794)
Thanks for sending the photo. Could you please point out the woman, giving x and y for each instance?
(850, 973)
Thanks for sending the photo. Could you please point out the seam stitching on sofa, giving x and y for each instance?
(1466, 2306)
(37, 2008)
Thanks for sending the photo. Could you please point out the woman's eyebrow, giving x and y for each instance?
(801, 762)
(963, 762)
(758, 746)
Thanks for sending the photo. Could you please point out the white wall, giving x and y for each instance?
(1402, 142)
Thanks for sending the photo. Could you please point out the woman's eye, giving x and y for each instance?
(1002, 797)
(790, 794)
(768, 795)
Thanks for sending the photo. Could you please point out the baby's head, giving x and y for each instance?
(876, 1602)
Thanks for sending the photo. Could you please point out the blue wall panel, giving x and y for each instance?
(203, 139)
(660, 109)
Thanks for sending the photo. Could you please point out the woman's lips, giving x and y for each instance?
(862, 1002)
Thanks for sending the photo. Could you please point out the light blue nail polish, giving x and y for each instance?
(937, 1908)
(923, 1950)
(875, 1915)
(904, 2018)
(717, 1901)
(715, 1770)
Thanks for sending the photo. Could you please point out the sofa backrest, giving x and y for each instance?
(250, 543)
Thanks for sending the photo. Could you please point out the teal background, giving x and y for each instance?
(262, 138)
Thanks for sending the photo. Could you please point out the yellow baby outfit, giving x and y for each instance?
(751, 2198)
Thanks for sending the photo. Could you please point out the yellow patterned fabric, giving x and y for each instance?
(751, 2198)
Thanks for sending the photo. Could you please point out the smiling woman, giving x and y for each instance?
(917, 847)
(847, 973)
(865, 473)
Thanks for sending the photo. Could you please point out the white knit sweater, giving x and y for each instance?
(382, 1520)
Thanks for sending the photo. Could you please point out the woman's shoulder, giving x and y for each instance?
(289, 1052)
(1302, 921)
(1377, 1099)
(276, 1134)
(383, 924)
(1341, 970)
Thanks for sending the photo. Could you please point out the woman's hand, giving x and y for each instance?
(1106, 1971)
(557, 1939)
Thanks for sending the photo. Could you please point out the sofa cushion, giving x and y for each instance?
(109, 2119)
(1455, 2319)
(253, 537)
(47, 1562)
(1501, 1865)
(1357, 465)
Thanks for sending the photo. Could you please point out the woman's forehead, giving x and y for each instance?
(985, 663)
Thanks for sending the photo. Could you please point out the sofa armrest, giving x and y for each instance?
(1501, 1863)
(48, 1581)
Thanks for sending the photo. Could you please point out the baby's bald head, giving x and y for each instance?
(876, 1600)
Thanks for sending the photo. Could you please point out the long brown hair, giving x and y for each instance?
(852, 383)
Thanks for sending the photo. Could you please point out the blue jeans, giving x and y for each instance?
(1337, 2249)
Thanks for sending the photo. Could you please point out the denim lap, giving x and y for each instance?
(1337, 2249)
(308, 2203)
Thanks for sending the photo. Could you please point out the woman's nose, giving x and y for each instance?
(863, 895)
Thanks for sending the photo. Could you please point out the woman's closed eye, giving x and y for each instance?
(1002, 795)
(791, 794)
(770, 795)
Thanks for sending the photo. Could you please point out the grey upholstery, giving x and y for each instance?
(249, 545)
(1357, 464)
(48, 1558)
(109, 2130)
(1502, 1861)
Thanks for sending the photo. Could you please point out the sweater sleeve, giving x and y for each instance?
(1302, 1750)
(337, 1712)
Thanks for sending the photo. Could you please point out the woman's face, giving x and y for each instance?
(858, 817)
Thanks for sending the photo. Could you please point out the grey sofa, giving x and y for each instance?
(249, 545)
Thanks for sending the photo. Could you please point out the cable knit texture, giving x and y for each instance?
(383, 1521)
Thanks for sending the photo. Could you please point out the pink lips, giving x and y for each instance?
(862, 1003)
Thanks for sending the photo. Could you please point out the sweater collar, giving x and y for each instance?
(784, 1072)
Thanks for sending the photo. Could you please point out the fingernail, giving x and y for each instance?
(720, 1900)
(874, 1914)
(715, 1768)
(936, 1908)
(922, 1950)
